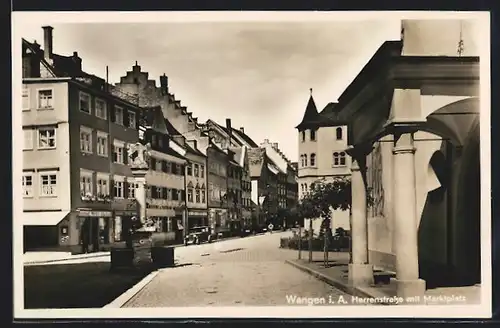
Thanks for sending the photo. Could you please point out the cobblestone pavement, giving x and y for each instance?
(247, 271)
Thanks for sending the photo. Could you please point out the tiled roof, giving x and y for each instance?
(329, 116)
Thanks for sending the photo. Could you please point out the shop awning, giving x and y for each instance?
(43, 218)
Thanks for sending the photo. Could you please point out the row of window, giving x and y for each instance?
(199, 195)
(339, 159)
(164, 166)
(217, 168)
(47, 186)
(196, 170)
(122, 188)
(45, 100)
(312, 134)
(156, 192)
(45, 138)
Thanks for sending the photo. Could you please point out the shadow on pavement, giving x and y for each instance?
(80, 285)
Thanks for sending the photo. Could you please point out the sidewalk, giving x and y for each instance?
(37, 258)
(337, 275)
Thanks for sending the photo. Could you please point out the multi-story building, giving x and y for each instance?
(241, 154)
(165, 180)
(286, 182)
(184, 131)
(75, 173)
(217, 189)
(223, 136)
(322, 142)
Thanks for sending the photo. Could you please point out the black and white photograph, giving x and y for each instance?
(251, 164)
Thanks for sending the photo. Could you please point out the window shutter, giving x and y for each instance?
(112, 115)
(165, 193)
(125, 189)
(153, 192)
(125, 155)
(153, 163)
(125, 117)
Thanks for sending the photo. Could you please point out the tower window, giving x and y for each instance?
(303, 136)
(313, 159)
(339, 133)
(302, 160)
(313, 135)
(305, 160)
(339, 159)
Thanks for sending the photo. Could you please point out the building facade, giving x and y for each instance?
(184, 132)
(322, 140)
(165, 181)
(416, 150)
(217, 189)
(196, 177)
(75, 171)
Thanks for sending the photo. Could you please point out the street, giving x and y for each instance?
(248, 271)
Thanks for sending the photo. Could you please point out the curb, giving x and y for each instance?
(134, 290)
(346, 288)
(67, 259)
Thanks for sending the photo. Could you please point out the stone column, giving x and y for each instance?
(140, 195)
(360, 272)
(405, 218)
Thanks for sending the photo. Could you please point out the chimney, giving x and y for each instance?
(164, 84)
(47, 39)
(229, 131)
(78, 61)
(136, 68)
(242, 130)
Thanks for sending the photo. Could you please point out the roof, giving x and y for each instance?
(329, 116)
(246, 138)
(174, 132)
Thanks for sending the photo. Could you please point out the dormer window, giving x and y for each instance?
(313, 135)
(338, 132)
(303, 136)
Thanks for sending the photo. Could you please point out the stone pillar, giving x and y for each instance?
(405, 218)
(140, 195)
(360, 272)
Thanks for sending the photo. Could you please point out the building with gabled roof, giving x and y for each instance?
(322, 143)
(188, 133)
(77, 187)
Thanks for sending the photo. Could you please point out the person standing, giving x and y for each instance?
(270, 227)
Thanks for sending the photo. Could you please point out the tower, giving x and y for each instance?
(322, 141)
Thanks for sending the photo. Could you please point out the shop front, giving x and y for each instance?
(96, 230)
(197, 218)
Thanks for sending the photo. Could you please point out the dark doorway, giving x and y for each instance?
(469, 223)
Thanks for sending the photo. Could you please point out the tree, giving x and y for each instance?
(324, 198)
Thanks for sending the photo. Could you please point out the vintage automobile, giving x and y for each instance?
(198, 235)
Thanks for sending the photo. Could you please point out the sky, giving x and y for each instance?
(257, 73)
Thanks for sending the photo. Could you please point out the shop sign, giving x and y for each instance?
(98, 214)
(197, 213)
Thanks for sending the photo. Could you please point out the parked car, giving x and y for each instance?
(199, 235)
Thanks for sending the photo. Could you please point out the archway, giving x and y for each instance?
(449, 230)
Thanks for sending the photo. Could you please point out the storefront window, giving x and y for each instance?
(118, 228)
(103, 231)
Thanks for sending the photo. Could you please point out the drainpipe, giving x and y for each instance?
(185, 216)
